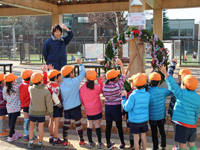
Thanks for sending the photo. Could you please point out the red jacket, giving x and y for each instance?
(24, 94)
(54, 89)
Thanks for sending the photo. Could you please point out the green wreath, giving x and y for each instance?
(156, 50)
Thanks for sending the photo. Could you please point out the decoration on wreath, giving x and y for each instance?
(155, 49)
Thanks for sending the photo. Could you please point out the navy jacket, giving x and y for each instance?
(54, 51)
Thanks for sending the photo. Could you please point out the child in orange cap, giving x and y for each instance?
(89, 94)
(112, 92)
(13, 105)
(70, 94)
(54, 88)
(186, 110)
(3, 111)
(25, 101)
(157, 110)
(40, 102)
(173, 98)
(137, 107)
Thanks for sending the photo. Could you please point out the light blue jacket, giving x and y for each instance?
(70, 93)
(186, 109)
(157, 108)
(137, 106)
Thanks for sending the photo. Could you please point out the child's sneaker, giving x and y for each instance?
(100, 145)
(7, 130)
(4, 133)
(15, 137)
(58, 141)
(81, 143)
(66, 144)
(40, 145)
(17, 134)
(131, 147)
(163, 148)
(175, 148)
(110, 145)
(30, 145)
(26, 138)
(91, 145)
(9, 139)
(122, 146)
(50, 140)
(35, 138)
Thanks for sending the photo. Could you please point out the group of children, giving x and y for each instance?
(144, 103)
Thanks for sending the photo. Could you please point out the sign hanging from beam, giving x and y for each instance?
(136, 19)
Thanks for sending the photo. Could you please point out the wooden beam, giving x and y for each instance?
(90, 8)
(158, 23)
(171, 4)
(155, 4)
(19, 12)
(35, 5)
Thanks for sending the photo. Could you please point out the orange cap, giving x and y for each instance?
(26, 74)
(155, 76)
(191, 82)
(139, 79)
(66, 69)
(1, 76)
(184, 70)
(112, 74)
(91, 75)
(53, 73)
(36, 77)
(10, 77)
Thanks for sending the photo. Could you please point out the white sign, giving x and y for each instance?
(125, 50)
(136, 19)
(93, 50)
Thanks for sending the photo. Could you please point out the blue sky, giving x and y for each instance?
(187, 13)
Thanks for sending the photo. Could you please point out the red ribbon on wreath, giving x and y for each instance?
(136, 31)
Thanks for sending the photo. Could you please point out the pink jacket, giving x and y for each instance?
(90, 99)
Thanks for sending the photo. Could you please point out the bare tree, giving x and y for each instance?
(114, 23)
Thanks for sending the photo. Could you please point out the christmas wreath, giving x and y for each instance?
(155, 49)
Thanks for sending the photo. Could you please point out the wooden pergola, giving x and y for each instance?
(58, 7)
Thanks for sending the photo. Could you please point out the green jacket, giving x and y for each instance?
(41, 101)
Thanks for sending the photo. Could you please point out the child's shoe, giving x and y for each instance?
(9, 139)
(81, 143)
(15, 137)
(175, 148)
(163, 148)
(35, 138)
(91, 145)
(50, 140)
(66, 144)
(30, 145)
(40, 145)
(17, 134)
(100, 145)
(7, 130)
(122, 146)
(56, 142)
(110, 145)
(131, 147)
(4, 133)
(26, 138)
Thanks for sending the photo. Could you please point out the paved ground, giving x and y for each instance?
(20, 144)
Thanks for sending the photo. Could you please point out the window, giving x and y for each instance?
(83, 20)
(186, 32)
(68, 22)
(174, 32)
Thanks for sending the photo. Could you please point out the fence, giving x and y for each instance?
(190, 53)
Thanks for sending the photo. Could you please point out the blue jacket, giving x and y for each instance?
(186, 109)
(54, 51)
(137, 106)
(69, 88)
(157, 108)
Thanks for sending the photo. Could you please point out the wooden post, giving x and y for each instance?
(57, 19)
(158, 23)
(138, 64)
